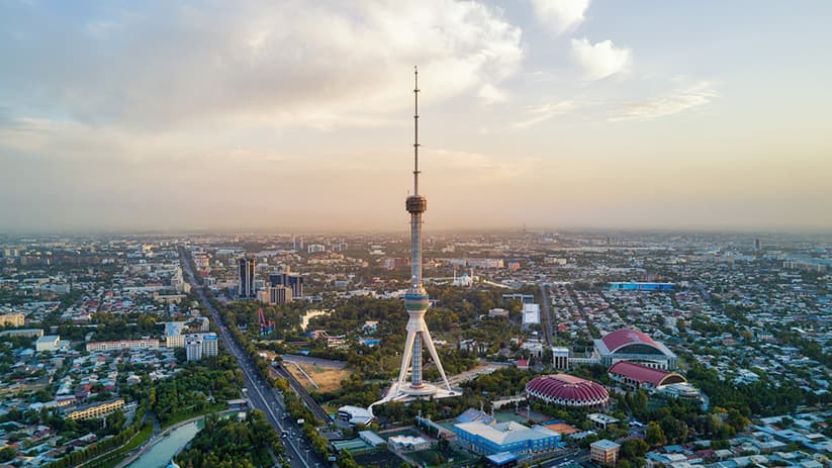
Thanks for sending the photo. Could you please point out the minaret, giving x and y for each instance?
(416, 300)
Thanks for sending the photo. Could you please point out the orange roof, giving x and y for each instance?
(562, 428)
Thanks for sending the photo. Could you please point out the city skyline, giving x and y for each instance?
(550, 114)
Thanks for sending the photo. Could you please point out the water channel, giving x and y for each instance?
(160, 453)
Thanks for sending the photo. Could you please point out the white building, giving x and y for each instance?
(48, 343)
(199, 345)
(560, 357)
(173, 334)
(531, 314)
(103, 346)
(497, 312)
(405, 443)
(534, 346)
(315, 248)
(354, 415)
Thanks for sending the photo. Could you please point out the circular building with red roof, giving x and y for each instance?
(567, 390)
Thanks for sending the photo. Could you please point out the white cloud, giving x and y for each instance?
(541, 113)
(560, 16)
(293, 62)
(692, 96)
(601, 60)
(491, 94)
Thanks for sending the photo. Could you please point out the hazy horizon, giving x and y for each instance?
(289, 116)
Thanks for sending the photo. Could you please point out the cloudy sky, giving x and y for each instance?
(287, 115)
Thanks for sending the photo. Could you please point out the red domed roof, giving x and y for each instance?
(567, 390)
(624, 337)
(643, 374)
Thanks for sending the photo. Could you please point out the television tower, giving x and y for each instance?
(416, 300)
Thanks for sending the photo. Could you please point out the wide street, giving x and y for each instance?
(259, 392)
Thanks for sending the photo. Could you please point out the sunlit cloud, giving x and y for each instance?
(544, 112)
(491, 94)
(560, 16)
(693, 96)
(279, 63)
(261, 113)
(602, 59)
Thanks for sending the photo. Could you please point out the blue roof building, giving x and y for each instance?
(512, 437)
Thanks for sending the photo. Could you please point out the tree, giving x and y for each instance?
(739, 422)
(634, 448)
(7, 454)
(655, 434)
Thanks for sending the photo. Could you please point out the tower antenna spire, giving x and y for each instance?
(416, 171)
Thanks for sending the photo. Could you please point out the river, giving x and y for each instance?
(160, 454)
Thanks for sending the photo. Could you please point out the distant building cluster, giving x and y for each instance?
(283, 286)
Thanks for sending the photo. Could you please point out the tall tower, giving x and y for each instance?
(416, 300)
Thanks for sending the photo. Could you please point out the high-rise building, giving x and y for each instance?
(246, 288)
(293, 281)
(279, 295)
(416, 302)
(199, 345)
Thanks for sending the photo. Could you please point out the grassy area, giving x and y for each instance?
(113, 458)
(328, 379)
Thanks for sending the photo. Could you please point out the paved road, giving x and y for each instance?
(326, 363)
(474, 373)
(546, 316)
(307, 399)
(573, 456)
(260, 393)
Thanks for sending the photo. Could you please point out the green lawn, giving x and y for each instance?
(113, 458)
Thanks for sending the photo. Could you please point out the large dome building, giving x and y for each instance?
(567, 390)
(634, 346)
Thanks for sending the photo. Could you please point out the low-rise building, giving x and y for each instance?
(122, 344)
(488, 439)
(12, 320)
(24, 332)
(95, 410)
(604, 452)
(354, 415)
(48, 343)
(404, 443)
